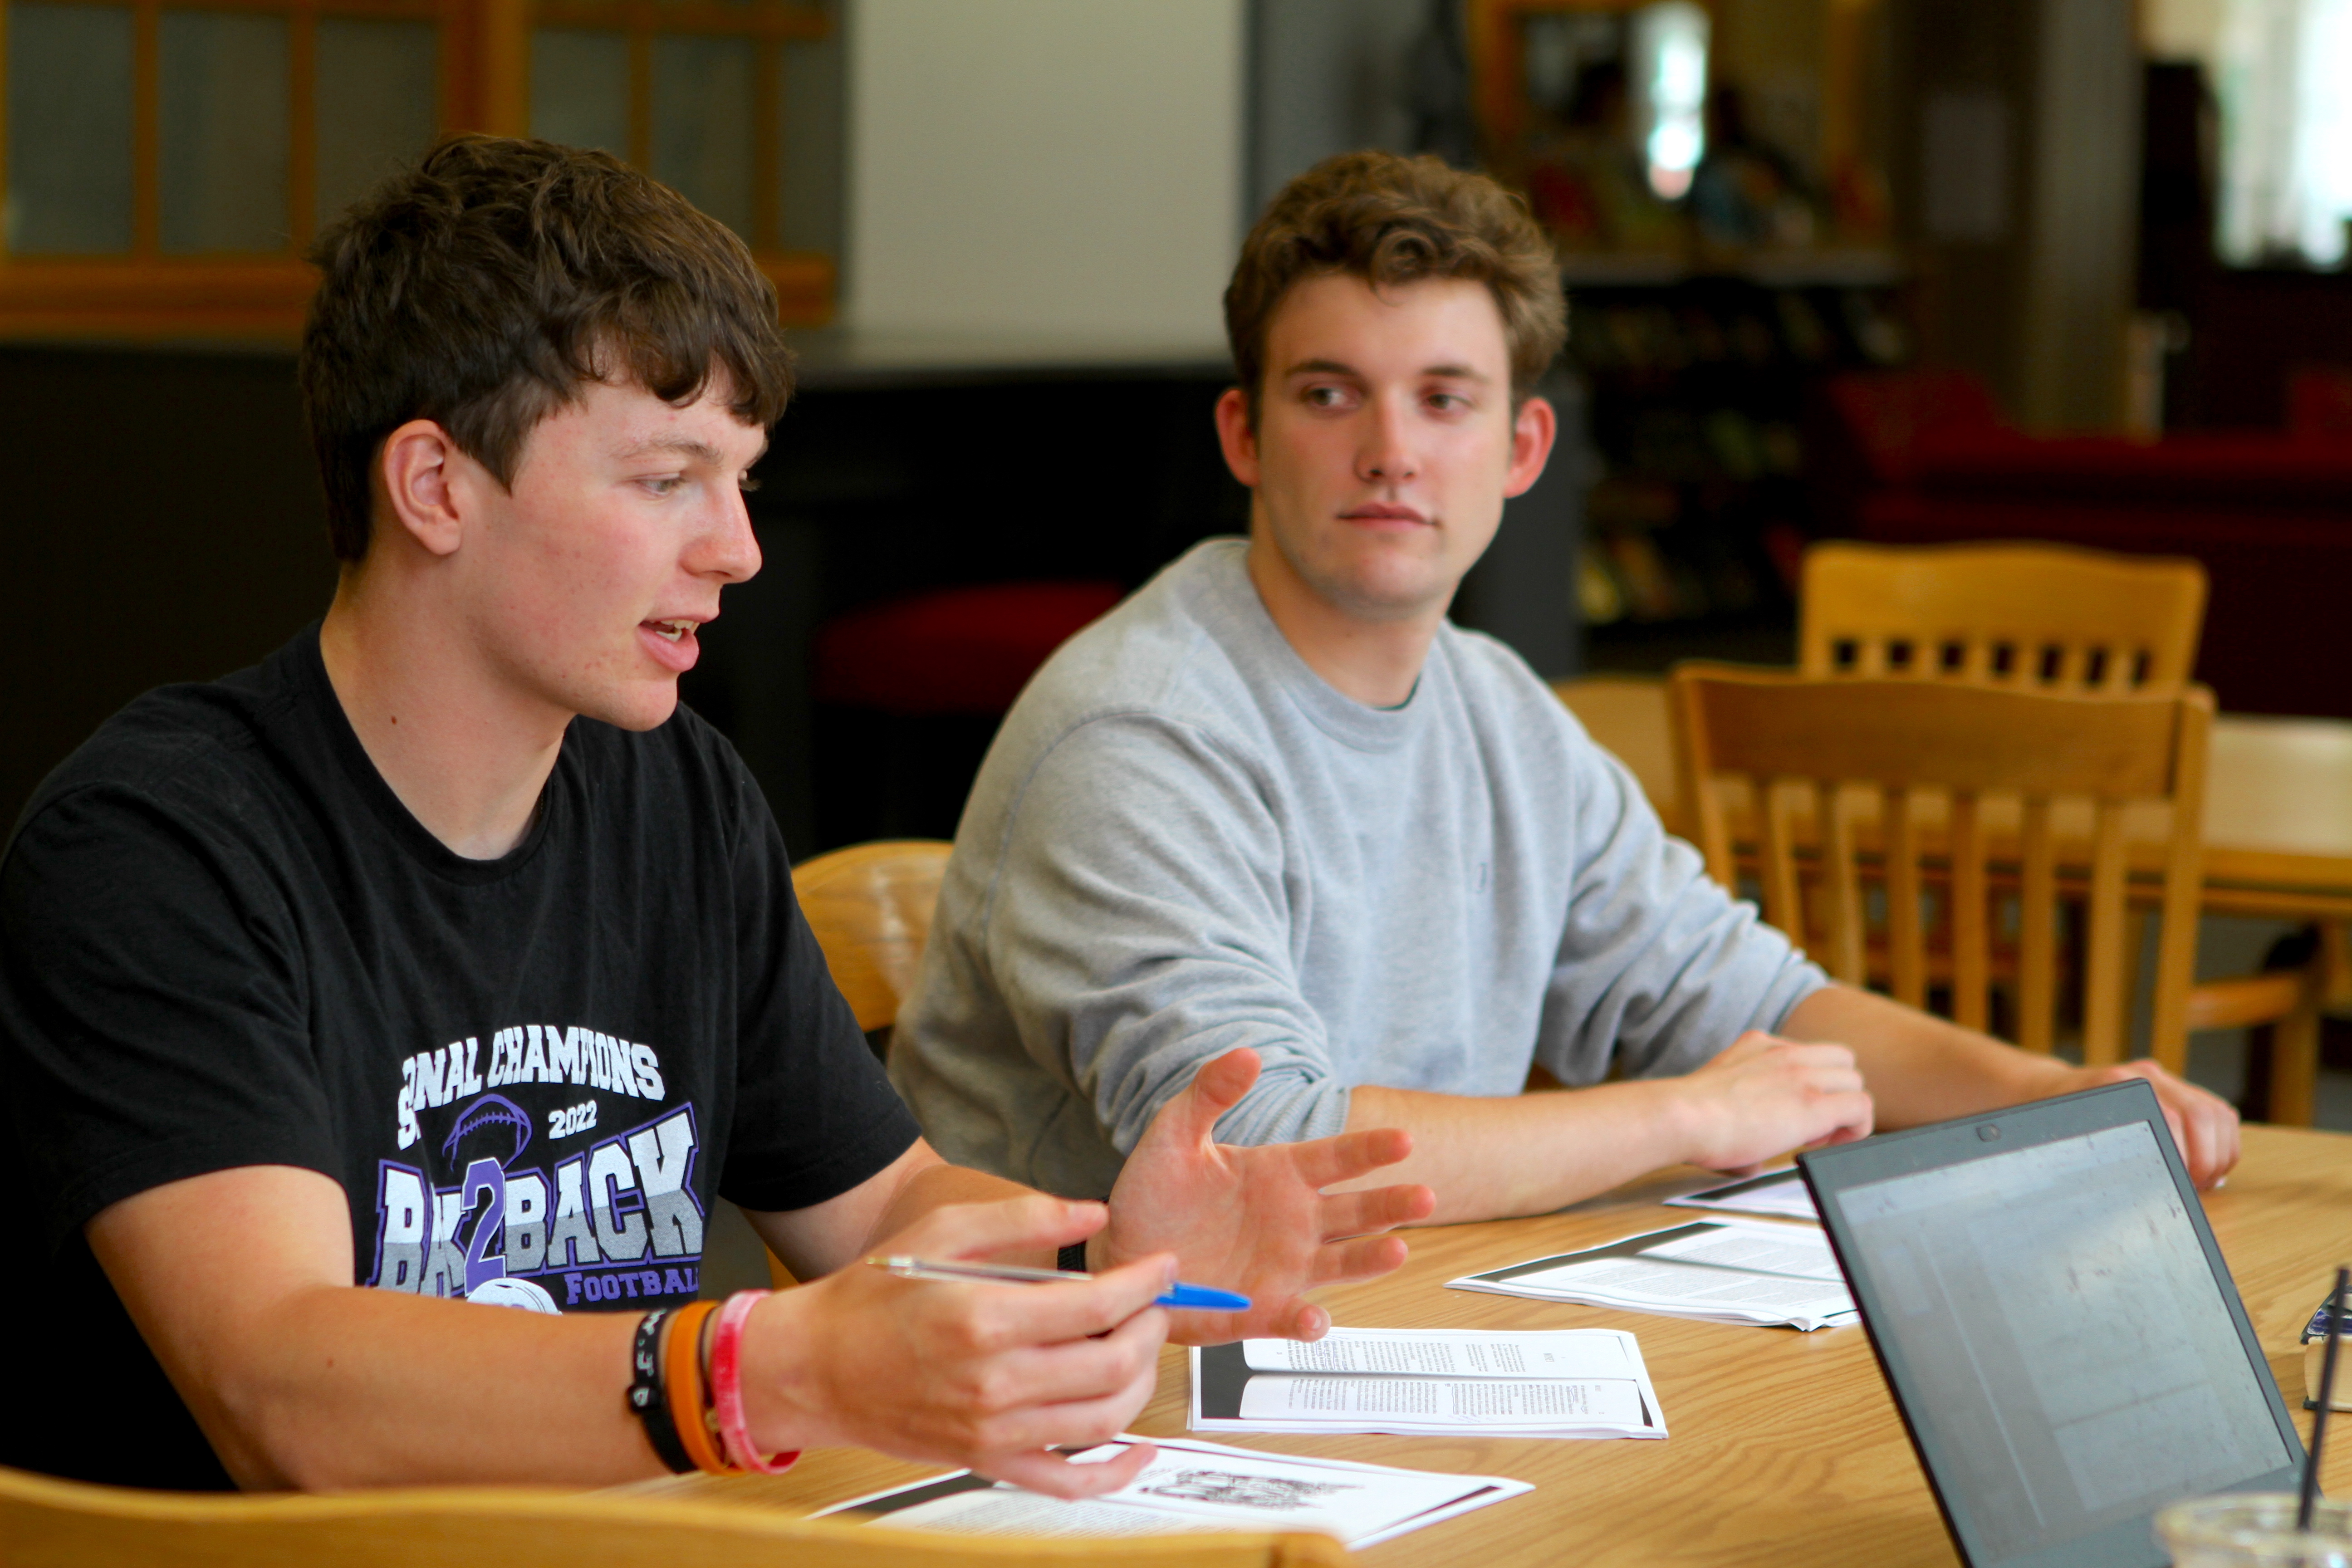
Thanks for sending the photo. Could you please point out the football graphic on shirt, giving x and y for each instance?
(492, 1114)
(511, 1292)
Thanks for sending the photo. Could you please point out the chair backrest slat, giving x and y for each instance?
(2103, 1000)
(1926, 756)
(2114, 623)
(1777, 858)
(1842, 916)
(1968, 917)
(1906, 940)
(2037, 931)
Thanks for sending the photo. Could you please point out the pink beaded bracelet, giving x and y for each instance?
(727, 1387)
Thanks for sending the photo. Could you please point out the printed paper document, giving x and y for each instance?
(1574, 1383)
(1726, 1271)
(1779, 1192)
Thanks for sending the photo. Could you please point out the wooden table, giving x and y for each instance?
(1785, 1447)
(2278, 808)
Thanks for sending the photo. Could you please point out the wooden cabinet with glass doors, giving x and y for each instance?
(164, 163)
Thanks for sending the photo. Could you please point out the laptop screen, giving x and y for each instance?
(2068, 1357)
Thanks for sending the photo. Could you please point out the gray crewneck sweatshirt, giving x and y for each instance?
(1184, 840)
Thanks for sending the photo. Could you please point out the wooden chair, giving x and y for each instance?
(1921, 744)
(49, 1523)
(2017, 615)
(870, 906)
(2057, 617)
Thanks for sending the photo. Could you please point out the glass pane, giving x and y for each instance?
(579, 89)
(378, 104)
(809, 124)
(702, 124)
(69, 129)
(221, 116)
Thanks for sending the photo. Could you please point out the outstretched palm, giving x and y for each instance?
(1256, 1220)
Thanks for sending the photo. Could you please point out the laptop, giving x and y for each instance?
(2056, 1324)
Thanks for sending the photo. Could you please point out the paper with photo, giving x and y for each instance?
(1779, 1192)
(1194, 1486)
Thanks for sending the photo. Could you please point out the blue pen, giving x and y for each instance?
(1199, 1298)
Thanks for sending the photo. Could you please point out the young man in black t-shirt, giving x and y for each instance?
(439, 961)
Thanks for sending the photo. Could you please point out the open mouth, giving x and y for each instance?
(670, 631)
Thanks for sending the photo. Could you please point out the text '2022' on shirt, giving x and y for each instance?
(225, 943)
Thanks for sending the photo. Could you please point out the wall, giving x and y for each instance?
(163, 523)
(1061, 168)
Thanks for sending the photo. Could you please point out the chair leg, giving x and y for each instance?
(2294, 1063)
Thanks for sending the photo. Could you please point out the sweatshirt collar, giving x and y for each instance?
(1353, 724)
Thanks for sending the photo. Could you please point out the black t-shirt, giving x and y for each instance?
(223, 942)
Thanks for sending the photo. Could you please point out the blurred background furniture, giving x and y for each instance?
(909, 692)
(50, 1523)
(2278, 816)
(2044, 616)
(1932, 752)
(2058, 617)
(1924, 456)
(870, 906)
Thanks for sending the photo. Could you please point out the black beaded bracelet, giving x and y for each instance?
(650, 1392)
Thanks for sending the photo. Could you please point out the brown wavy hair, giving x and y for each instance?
(1391, 221)
(482, 288)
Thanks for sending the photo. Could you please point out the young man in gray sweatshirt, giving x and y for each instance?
(1276, 800)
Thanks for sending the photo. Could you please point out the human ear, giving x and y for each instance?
(1533, 430)
(1236, 437)
(415, 467)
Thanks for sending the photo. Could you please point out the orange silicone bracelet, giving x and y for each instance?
(683, 1373)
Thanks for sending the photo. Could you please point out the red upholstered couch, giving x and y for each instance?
(1924, 457)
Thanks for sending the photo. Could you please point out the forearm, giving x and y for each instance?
(1919, 1067)
(1528, 1153)
(345, 1386)
(814, 1242)
(937, 1186)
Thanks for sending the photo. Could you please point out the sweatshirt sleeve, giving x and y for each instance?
(1659, 967)
(1141, 924)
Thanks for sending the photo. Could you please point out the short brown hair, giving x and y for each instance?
(482, 288)
(1391, 220)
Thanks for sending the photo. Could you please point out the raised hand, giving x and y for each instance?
(1256, 1220)
(1765, 1096)
(987, 1375)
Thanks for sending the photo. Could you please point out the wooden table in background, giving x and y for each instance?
(1785, 1447)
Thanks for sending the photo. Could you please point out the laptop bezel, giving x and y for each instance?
(1830, 1173)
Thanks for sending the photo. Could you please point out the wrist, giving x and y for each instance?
(1684, 1123)
(786, 1398)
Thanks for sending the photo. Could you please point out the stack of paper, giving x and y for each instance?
(1780, 1192)
(1573, 1383)
(1193, 1486)
(1724, 1271)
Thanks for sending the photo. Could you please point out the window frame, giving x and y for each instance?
(484, 78)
